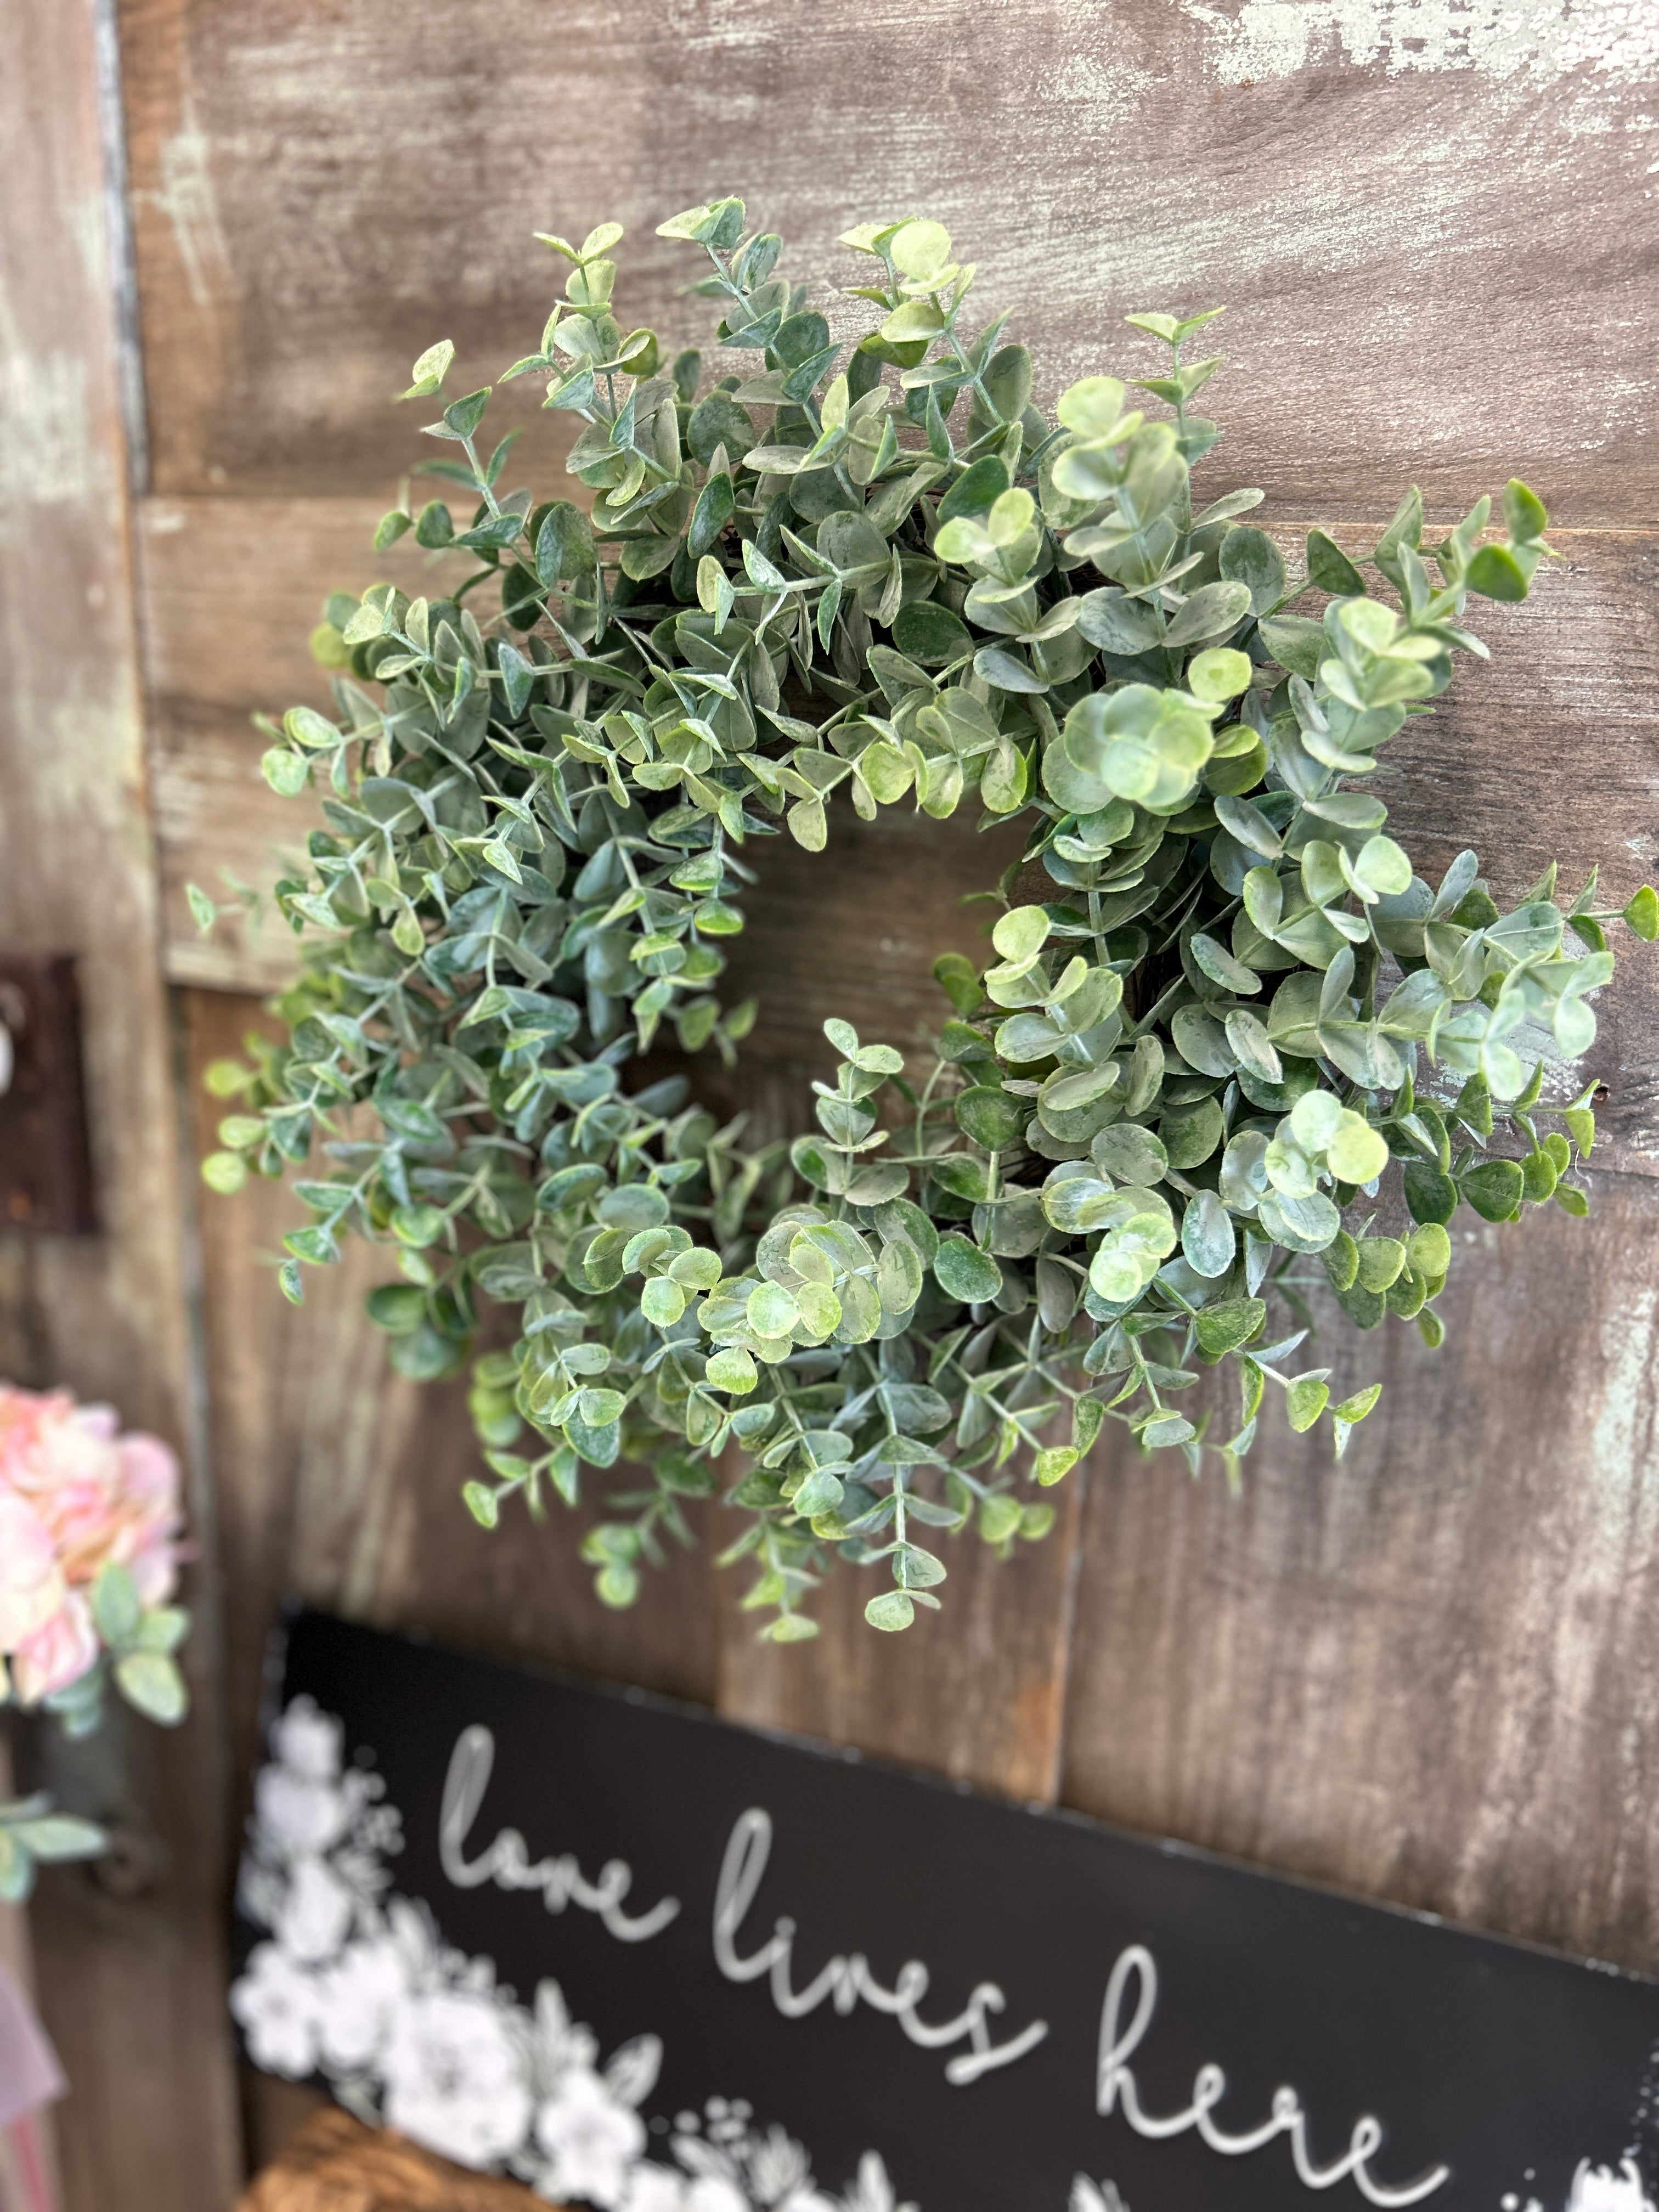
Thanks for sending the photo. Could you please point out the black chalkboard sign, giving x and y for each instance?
(651, 1963)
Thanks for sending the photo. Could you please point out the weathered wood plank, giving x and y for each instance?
(1426, 1673)
(130, 1968)
(976, 1692)
(1436, 236)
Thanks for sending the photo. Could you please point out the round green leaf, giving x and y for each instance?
(772, 1311)
(662, 1301)
(1356, 1408)
(151, 1681)
(732, 1369)
(892, 1610)
(482, 1502)
(1129, 1153)
(1219, 673)
(1494, 1189)
(1306, 1401)
(1357, 1152)
(965, 1271)
(930, 634)
(1432, 1196)
(1022, 932)
(1206, 1235)
(989, 1116)
(1054, 1463)
(918, 248)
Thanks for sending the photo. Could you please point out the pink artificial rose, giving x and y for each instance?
(32, 1586)
(99, 1495)
(57, 1655)
(149, 1543)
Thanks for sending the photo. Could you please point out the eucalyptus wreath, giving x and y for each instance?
(1161, 1115)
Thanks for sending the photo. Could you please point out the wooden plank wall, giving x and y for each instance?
(131, 1956)
(1429, 1674)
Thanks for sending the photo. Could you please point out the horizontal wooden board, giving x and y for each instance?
(1426, 1672)
(1436, 237)
(1546, 752)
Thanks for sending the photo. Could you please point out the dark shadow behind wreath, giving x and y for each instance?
(1165, 1108)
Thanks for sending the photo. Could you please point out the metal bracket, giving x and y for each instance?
(45, 1166)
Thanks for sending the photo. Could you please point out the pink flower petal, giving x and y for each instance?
(57, 1655)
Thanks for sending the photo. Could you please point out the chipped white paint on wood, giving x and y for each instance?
(1614, 40)
(47, 452)
(1438, 264)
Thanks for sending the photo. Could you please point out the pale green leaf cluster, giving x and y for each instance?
(813, 574)
(137, 1643)
(32, 1835)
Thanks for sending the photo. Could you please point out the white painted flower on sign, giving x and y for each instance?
(275, 2005)
(357, 1985)
(307, 1743)
(655, 2189)
(315, 1916)
(1599, 2189)
(457, 2078)
(307, 1814)
(359, 1997)
(1088, 2196)
(591, 2138)
(713, 2192)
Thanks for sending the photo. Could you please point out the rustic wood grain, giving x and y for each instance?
(1426, 1673)
(337, 2165)
(1440, 272)
(130, 1955)
(976, 1692)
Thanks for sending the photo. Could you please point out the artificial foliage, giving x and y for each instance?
(815, 575)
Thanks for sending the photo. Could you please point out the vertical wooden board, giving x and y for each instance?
(340, 1482)
(976, 1692)
(17, 1960)
(1436, 232)
(129, 1958)
(1426, 1673)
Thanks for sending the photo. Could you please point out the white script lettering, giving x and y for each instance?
(507, 1864)
(844, 1981)
(1116, 2089)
